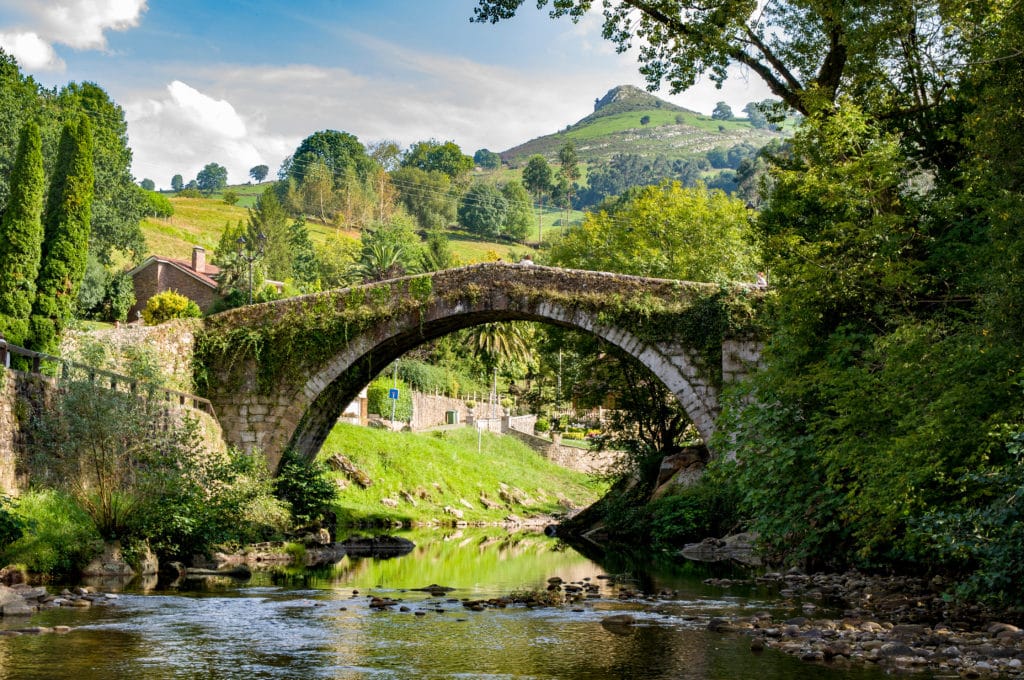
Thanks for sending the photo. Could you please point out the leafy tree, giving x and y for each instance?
(168, 305)
(213, 177)
(303, 255)
(805, 52)
(336, 261)
(317, 191)
(537, 176)
(519, 211)
(66, 222)
(622, 172)
(339, 151)
(259, 173)
(177, 183)
(117, 207)
(118, 299)
(387, 153)
(755, 115)
(537, 180)
(157, 205)
(665, 231)
(429, 197)
(645, 119)
(230, 197)
(20, 102)
(483, 210)
(500, 343)
(113, 452)
(568, 172)
(487, 159)
(148, 185)
(435, 156)
(722, 112)
(269, 218)
(21, 238)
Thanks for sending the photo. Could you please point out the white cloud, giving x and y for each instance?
(181, 129)
(244, 115)
(80, 24)
(207, 114)
(32, 52)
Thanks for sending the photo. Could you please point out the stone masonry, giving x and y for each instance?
(300, 413)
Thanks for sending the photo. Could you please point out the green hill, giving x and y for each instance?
(616, 126)
(425, 473)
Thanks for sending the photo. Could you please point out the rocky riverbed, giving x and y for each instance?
(899, 622)
(22, 600)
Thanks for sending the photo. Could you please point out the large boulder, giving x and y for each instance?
(680, 469)
(110, 562)
(738, 547)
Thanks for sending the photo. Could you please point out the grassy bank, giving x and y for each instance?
(425, 473)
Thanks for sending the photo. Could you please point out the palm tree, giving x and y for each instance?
(381, 261)
(498, 342)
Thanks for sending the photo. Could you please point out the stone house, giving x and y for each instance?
(195, 280)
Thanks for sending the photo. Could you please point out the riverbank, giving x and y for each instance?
(897, 622)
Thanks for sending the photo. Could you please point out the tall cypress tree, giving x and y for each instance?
(21, 237)
(66, 223)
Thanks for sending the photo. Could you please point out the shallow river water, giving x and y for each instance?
(312, 624)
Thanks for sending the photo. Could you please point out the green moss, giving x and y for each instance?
(287, 340)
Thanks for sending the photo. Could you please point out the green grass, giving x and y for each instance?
(196, 222)
(201, 221)
(247, 193)
(631, 121)
(414, 463)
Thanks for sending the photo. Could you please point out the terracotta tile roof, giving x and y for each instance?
(206, 276)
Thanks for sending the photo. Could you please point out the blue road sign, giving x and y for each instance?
(393, 394)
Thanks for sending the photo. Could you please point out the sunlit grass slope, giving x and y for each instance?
(201, 221)
(442, 469)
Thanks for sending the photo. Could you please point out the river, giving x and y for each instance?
(292, 623)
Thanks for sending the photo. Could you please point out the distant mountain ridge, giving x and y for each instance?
(629, 120)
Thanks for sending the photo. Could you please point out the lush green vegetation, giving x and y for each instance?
(442, 469)
(884, 431)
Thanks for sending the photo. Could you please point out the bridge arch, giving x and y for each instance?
(296, 405)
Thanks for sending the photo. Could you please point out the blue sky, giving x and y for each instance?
(241, 82)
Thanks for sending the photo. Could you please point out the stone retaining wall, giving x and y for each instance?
(170, 344)
(24, 396)
(569, 457)
(429, 410)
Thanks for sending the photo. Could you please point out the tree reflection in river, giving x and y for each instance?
(312, 625)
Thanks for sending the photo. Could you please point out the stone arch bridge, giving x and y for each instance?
(279, 374)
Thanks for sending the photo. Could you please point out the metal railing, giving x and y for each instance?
(104, 378)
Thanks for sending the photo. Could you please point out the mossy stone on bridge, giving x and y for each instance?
(280, 373)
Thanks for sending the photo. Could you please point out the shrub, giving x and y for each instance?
(119, 298)
(169, 305)
(542, 425)
(230, 197)
(223, 498)
(11, 524)
(157, 205)
(58, 539)
(190, 192)
(379, 403)
(307, 487)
